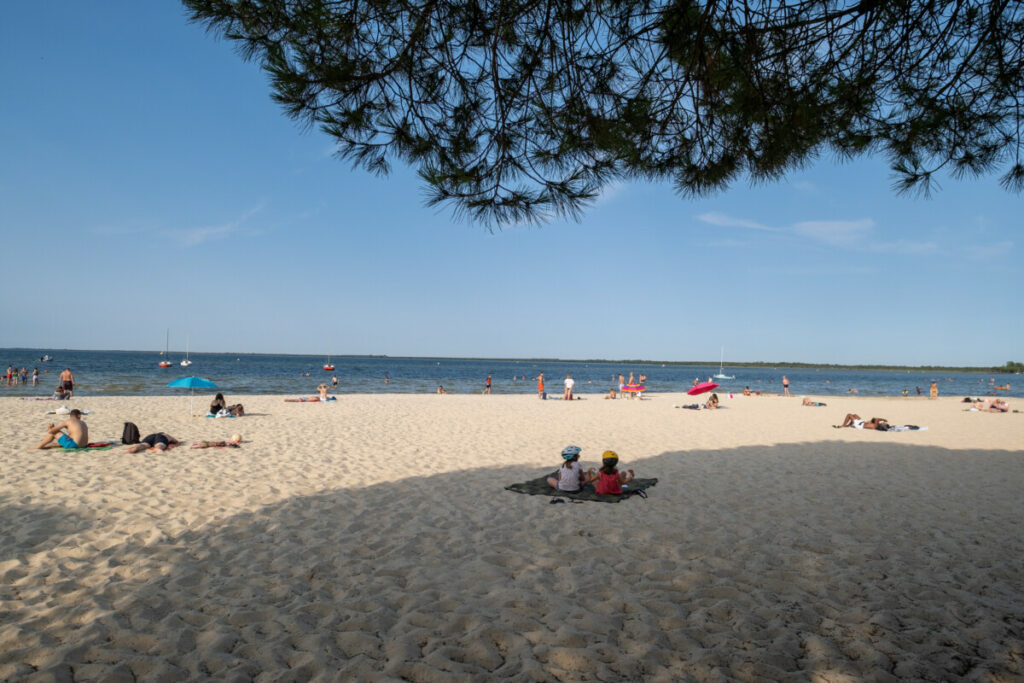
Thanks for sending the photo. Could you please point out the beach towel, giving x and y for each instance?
(906, 428)
(540, 487)
(310, 399)
(99, 446)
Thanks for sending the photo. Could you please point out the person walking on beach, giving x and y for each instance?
(67, 382)
(487, 385)
(77, 436)
(785, 386)
(540, 387)
(569, 384)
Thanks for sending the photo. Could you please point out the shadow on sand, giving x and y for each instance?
(781, 563)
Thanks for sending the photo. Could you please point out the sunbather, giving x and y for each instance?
(159, 441)
(234, 442)
(77, 433)
(855, 421)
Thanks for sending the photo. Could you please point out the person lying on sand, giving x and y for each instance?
(157, 442)
(809, 402)
(995, 406)
(712, 403)
(855, 421)
(77, 436)
(236, 439)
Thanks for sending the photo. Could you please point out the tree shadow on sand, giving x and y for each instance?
(782, 562)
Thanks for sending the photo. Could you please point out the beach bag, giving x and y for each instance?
(130, 435)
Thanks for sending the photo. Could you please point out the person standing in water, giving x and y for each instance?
(67, 382)
(785, 386)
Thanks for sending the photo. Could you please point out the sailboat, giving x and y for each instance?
(185, 363)
(166, 363)
(721, 374)
(329, 367)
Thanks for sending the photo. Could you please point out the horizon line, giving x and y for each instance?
(774, 364)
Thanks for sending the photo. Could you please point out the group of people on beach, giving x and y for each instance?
(571, 478)
(73, 433)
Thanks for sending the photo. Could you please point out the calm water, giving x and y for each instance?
(120, 373)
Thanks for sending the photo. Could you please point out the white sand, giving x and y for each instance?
(372, 539)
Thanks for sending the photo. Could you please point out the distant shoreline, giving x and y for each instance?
(631, 361)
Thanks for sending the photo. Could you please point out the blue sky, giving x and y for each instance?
(147, 182)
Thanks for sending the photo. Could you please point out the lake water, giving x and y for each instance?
(124, 373)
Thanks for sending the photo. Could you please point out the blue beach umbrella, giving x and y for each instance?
(192, 383)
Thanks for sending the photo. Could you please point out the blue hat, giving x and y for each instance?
(570, 452)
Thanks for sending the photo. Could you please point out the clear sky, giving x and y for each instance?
(148, 182)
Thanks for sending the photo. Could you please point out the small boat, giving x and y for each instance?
(721, 374)
(185, 363)
(328, 366)
(164, 363)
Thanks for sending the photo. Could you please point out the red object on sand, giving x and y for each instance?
(701, 388)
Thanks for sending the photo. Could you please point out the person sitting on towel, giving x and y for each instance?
(77, 436)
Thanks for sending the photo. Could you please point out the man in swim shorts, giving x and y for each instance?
(67, 382)
(159, 441)
(855, 421)
(77, 433)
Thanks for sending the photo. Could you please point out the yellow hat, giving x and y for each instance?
(610, 455)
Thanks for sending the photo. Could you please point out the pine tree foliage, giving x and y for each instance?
(518, 110)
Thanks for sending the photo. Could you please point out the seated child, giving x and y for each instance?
(609, 479)
(570, 475)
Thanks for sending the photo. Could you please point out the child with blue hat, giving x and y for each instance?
(570, 476)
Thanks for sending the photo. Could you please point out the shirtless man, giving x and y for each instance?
(157, 442)
(855, 421)
(67, 381)
(323, 391)
(785, 386)
(77, 436)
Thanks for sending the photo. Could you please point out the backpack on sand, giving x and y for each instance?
(130, 434)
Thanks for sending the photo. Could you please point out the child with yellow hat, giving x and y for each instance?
(609, 479)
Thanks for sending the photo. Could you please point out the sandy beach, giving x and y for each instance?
(372, 539)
